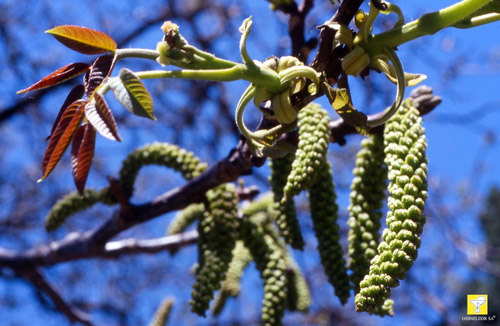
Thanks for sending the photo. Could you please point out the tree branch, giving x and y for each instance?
(36, 277)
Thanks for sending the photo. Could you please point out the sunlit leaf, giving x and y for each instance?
(75, 94)
(99, 70)
(58, 76)
(82, 153)
(83, 39)
(341, 103)
(131, 93)
(101, 117)
(60, 139)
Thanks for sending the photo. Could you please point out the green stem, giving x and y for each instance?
(428, 24)
(136, 53)
(256, 75)
(212, 60)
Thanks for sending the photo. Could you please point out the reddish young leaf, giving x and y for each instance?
(69, 122)
(101, 117)
(82, 153)
(75, 94)
(99, 70)
(58, 76)
(83, 39)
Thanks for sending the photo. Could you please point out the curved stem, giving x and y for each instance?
(428, 24)
(247, 95)
(401, 85)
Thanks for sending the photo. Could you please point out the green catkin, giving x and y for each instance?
(298, 295)
(158, 154)
(405, 146)
(314, 135)
(73, 203)
(218, 231)
(270, 261)
(231, 285)
(324, 216)
(284, 214)
(161, 315)
(366, 200)
(185, 218)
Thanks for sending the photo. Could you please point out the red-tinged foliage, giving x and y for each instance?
(83, 39)
(101, 117)
(100, 69)
(59, 76)
(82, 153)
(60, 139)
(75, 94)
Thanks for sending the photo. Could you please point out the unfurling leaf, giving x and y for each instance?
(131, 93)
(60, 139)
(101, 117)
(99, 70)
(75, 94)
(341, 102)
(58, 76)
(82, 153)
(83, 39)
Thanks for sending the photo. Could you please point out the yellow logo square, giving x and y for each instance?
(477, 304)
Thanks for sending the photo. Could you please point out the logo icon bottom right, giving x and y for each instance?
(477, 304)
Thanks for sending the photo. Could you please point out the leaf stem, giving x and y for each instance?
(136, 53)
(428, 24)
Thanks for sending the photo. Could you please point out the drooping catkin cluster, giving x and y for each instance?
(161, 315)
(231, 285)
(314, 135)
(218, 231)
(298, 295)
(284, 214)
(185, 218)
(324, 216)
(270, 261)
(73, 203)
(405, 146)
(366, 199)
(158, 154)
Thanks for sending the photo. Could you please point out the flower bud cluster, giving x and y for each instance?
(366, 199)
(218, 233)
(405, 146)
(162, 154)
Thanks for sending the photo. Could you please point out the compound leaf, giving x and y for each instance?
(82, 153)
(101, 118)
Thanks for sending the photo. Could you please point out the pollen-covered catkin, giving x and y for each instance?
(158, 154)
(314, 135)
(284, 214)
(405, 146)
(268, 257)
(231, 285)
(324, 216)
(73, 203)
(218, 233)
(161, 315)
(185, 218)
(366, 199)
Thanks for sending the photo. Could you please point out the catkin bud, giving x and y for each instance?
(231, 285)
(284, 214)
(163, 154)
(185, 218)
(405, 145)
(314, 135)
(270, 261)
(324, 216)
(161, 315)
(367, 194)
(73, 203)
(220, 230)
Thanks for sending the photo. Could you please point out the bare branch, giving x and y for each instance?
(36, 277)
